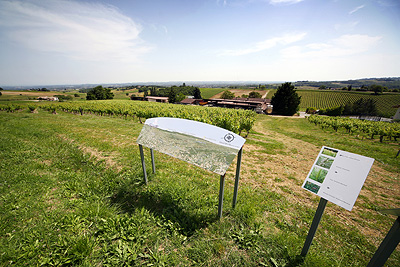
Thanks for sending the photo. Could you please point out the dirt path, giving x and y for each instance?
(265, 95)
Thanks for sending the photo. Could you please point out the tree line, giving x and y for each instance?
(175, 93)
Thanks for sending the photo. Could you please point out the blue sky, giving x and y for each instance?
(44, 42)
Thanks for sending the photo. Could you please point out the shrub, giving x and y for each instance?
(227, 95)
(311, 110)
(254, 95)
(64, 97)
(99, 93)
(335, 111)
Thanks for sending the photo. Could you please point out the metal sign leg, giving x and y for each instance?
(152, 160)
(387, 246)
(235, 190)
(143, 164)
(221, 195)
(314, 226)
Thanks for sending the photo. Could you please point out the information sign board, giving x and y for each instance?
(338, 176)
(204, 145)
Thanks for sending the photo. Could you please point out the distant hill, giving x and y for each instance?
(391, 83)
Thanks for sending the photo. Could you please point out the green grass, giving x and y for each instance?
(71, 193)
(23, 95)
(303, 130)
(210, 92)
(121, 94)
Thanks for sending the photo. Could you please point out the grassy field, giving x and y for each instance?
(22, 95)
(210, 92)
(71, 193)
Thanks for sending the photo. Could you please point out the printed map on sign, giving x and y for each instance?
(338, 176)
(204, 145)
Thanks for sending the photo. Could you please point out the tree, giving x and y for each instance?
(364, 107)
(99, 93)
(377, 88)
(153, 91)
(254, 95)
(172, 95)
(197, 93)
(179, 97)
(286, 101)
(227, 95)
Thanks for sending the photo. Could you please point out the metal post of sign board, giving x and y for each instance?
(143, 164)
(314, 226)
(235, 190)
(152, 160)
(221, 196)
(388, 245)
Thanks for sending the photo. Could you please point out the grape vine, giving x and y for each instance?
(235, 120)
(360, 127)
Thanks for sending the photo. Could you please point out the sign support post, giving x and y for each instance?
(152, 160)
(336, 176)
(235, 190)
(314, 226)
(143, 164)
(389, 243)
(221, 195)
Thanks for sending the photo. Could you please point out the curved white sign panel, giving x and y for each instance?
(201, 144)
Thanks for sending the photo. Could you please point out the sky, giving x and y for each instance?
(55, 42)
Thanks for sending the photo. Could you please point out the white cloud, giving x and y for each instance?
(78, 30)
(224, 2)
(356, 9)
(288, 2)
(349, 26)
(272, 2)
(345, 45)
(388, 3)
(267, 44)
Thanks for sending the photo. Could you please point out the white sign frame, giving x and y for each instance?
(338, 176)
(167, 135)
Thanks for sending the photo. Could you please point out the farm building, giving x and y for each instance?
(162, 99)
(259, 105)
(193, 101)
(48, 98)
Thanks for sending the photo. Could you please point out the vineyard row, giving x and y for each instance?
(235, 120)
(354, 126)
(324, 99)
